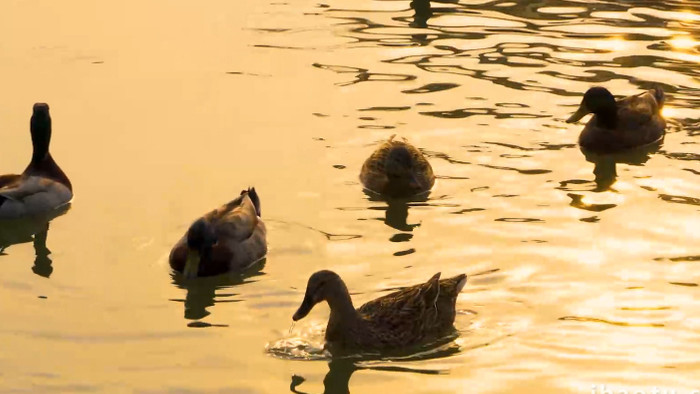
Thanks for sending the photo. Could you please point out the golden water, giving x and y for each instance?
(164, 110)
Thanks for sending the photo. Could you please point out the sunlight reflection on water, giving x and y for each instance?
(582, 267)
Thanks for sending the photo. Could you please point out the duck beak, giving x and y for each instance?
(580, 113)
(191, 264)
(304, 309)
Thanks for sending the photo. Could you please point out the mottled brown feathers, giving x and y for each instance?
(240, 233)
(403, 318)
(397, 169)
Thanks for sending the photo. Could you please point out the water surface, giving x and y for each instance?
(583, 267)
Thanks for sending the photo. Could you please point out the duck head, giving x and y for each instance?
(201, 237)
(322, 286)
(40, 126)
(600, 102)
(399, 169)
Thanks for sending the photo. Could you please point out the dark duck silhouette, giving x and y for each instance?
(403, 318)
(631, 122)
(230, 238)
(397, 169)
(43, 186)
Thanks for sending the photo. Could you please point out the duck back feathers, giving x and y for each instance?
(253, 195)
(8, 179)
(238, 219)
(659, 96)
(397, 169)
(240, 234)
(32, 195)
(416, 312)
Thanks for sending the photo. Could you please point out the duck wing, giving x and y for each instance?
(375, 162)
(640, 109)
(31, 195)
(373, 175)
(8, 183)
(421, 167)
(19, 188)
(659, 96)
(404, 316)
(235, 221)
(8, 180)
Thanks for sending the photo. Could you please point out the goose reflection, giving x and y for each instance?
(605, 165)
(202, 292)
(33, 229)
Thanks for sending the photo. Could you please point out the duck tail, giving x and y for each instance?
(253, 195)
(659, 96)
(461, 280)
(432, 290)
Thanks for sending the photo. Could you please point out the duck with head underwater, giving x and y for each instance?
(42, 187)
(618, 125)
(230, 238)
(397, 169)
(406, 317)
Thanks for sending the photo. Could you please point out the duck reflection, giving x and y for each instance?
(396, 210)
(337, 380)
(202, 292)
(33, 229)
(423, 12)
(605, 165)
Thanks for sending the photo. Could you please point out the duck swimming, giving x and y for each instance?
(619, 125)
(229, 238)
(42, 187)
(403, 318)
(397, 169)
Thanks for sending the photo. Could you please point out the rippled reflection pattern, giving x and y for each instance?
(34, 230)
(583, 269)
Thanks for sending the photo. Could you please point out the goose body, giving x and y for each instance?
(229, 238)
(43, 186)
(403, 318)
(618, 125)
(397, 169)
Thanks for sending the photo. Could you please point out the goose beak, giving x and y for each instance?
(580, 113)
(191, 265)
(304, 309)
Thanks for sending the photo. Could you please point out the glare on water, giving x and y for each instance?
(582, 268)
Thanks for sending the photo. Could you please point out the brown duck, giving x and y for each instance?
(229, 238)
(403, 318)
(397, 169)
(616, 126)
